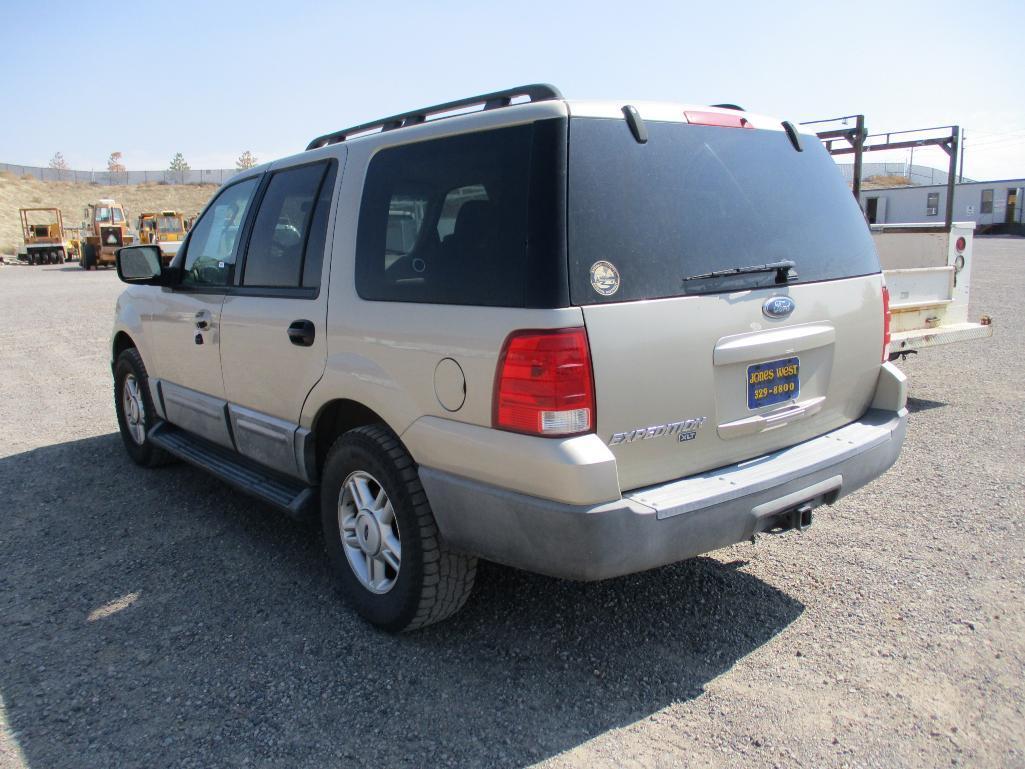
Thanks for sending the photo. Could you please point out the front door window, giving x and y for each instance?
(213, 245)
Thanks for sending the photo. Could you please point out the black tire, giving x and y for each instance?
(88, 260)
(433, 581)
(144, 453)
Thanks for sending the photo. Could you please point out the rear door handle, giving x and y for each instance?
(302, 333)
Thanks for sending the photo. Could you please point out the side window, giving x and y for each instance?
(446, 220)
(274, 258)
(932, 204)
(213, 243)
(987, 202)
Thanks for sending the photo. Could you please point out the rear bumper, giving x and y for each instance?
(666, 523)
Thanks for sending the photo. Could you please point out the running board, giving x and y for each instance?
(288, 495)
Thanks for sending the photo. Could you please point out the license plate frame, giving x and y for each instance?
(781, 384)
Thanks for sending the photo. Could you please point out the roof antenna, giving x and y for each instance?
(637, 127)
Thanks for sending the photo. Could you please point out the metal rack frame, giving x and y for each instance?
(860, 142)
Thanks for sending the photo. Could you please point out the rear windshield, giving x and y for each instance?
(698, 199)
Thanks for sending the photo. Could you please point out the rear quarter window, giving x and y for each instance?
(471, 219)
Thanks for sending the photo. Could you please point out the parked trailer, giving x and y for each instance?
(927, 268)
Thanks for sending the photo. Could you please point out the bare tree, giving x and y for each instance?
(59, 164)
(179, 167)
(246, 160)
(115, 167)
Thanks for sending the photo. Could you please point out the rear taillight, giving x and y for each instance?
(723, 119)
(960, 244)
(886, 324)
(543, 385)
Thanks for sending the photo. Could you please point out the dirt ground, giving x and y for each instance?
(71, 198)
(159, 619)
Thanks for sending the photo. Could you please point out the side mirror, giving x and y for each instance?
(139, 264)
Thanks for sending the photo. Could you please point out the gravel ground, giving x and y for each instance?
(156, 618)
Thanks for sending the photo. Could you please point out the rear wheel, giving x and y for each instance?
(382, 538)
(88, 260)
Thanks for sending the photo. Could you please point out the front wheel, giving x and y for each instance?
(382, 538)
(134, 407)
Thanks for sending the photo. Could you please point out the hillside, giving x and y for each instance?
(71, 198)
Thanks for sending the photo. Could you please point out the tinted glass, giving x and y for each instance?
(453, 202)
(317, 241)
(446, 220)
(275, 254)
(697, 199)
(213, 243)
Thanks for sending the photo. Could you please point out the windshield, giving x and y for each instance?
(103, 214)
(700, 199)
(169, 224)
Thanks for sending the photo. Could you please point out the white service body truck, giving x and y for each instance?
(928, 272)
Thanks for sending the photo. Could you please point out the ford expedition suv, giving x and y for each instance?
(580, 338)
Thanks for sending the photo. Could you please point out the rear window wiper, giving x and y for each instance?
(784, 270)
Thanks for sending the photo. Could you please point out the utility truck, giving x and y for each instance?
(927, 268)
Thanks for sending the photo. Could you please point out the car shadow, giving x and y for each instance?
(921, 404)
(157, 618)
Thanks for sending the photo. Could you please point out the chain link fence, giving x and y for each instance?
(192, 176)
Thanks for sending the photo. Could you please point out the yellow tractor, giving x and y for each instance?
(104, 230)
(46, 241)
(165, 229)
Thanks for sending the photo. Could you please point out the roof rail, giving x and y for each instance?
(534, 92)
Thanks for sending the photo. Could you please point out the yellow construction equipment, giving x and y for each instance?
(46, 241)
(163, 228)
(104, 231)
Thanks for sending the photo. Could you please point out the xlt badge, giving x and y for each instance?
(685, 430)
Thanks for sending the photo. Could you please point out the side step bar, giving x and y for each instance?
(287, 494)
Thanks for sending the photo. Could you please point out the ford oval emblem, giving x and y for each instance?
(778, 307)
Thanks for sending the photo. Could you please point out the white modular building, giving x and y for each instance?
(994, 206)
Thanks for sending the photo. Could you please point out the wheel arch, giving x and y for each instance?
(336, 417)
(121, 342)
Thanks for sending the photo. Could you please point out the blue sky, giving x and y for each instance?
(212, 79)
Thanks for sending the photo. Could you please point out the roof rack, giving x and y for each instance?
(534, 92)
